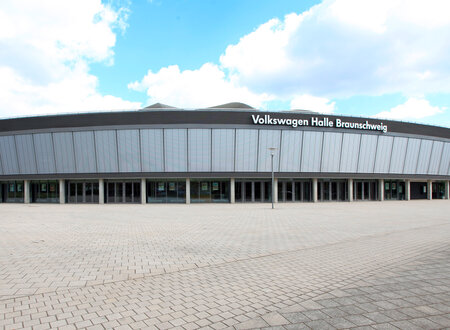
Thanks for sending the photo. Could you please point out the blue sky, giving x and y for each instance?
(388, 59)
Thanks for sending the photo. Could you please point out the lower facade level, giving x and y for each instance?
(231, 190)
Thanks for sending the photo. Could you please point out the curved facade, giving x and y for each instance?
(219, 155)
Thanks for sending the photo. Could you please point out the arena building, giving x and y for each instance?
(225, 154)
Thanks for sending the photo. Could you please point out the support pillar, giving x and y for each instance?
(188, 191)
(429, 189)
(143, 191)
(275, 190)
(62, 191)
(350, 190)
(408, 190)
(314, 190)
(447, 189)
(381, 189)
(26, 191)
(101, 191)
(232, 191)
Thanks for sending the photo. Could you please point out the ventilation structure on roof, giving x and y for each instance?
(233, 105)
(159, 106)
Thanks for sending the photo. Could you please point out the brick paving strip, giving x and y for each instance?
(398, 278)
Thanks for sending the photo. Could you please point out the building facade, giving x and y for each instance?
(222, 154)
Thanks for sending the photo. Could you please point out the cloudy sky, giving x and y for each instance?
(384, 58)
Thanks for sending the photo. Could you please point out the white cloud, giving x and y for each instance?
(413, 108)
(47, 47)
(314, 103)
(205, 87)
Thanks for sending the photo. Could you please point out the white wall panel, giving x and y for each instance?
(412, 155)
(398, 154)
(435, 158)
(246, 150)
(129, 150)
(106, 147)
(311, 151)
(9, 155)
(45, 156)
(445, 160)
(332, 144)
(424, 156)
(64, 153)
(152, 152)
(349, 153)
(268, 139)
(199, 153)
(175, 149)
(383, 155)
(25, 154)
(367, 153)
(223, 150)
(291, 148)
(85, 158)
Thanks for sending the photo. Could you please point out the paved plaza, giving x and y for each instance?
(365, 265)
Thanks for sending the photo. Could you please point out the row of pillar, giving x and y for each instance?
(101, 190)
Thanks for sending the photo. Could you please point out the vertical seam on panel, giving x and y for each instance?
(187, 149)
(340, 153)
(321, 152)
(140, 150)
(359, 153)
(234, 156)
(17, 154)
(257, 153)
(440, 158)
(418, 156)
(1, 162)
(164, 149)
(211, 149)
(406, 154)
(95, 152)
(431, 155)
(54, 154)
(375, 158)
(73, 153)
(390, 158)
(35, 158)
(117, 150)
(279, 153)
(301, 152)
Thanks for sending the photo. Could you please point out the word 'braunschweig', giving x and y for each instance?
(318, 122)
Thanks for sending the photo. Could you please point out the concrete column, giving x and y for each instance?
(275, 190)
(26, 192)
(232, 191)
(447, 189)
(350, 190)
(314, 190)
(429, 190)
(188, 191)
(62, 191)
(407, 190)
(143, 191)
(101, 191)
(381, 189)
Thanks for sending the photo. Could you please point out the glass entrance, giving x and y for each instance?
(82, 191)
(123, 191)
(438, 190)
(210, 191)
(294, 191)
(332, 190)
(11, 192)
(44, 191)
(252, 191)
(365, 190)
(394, 190)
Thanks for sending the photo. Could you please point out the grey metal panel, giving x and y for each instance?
(246, 150)
(445, 160)
(152, 153)
(199, 153)
(128, 150)
(45, 156)
(64, 153)
(332, 144)
(9, 155)
(85, 152)
(25, 154)
(268, 139)
(349, 153)
(175, 149)
(223, 150)
(436, 154)
(367, 152)
(311, 151)
(398, 154)
(412, 154)
(291, 148)
(106, 147)
(383, 155)
(424, 156)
